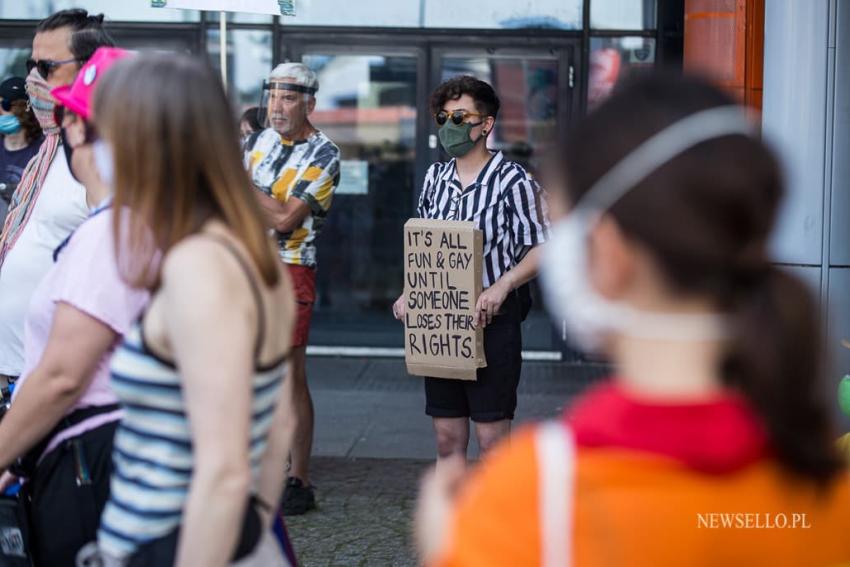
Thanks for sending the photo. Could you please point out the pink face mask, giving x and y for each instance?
(42, 102)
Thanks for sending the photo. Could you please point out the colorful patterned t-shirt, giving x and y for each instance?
(307, 170)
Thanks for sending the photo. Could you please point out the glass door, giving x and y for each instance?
(368, 103)
(536, 88)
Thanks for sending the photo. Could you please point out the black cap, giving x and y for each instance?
(12, 89)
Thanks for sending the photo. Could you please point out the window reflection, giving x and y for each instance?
(13, 62)
(366, 104)
(136, 10)
(249, 61)
(369, 13)
(612, 59)
(510, 14)
(526, 128)
(527, 90)
(623, 14)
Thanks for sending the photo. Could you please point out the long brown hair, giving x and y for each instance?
(29, 123)
(177, 162)
(706, 217)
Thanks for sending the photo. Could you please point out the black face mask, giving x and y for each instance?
(91, 137)
(68, 151)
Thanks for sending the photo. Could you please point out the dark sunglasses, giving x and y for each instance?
(6, 105)
(46, 66)
(457, 116)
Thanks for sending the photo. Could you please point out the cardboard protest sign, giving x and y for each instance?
(442, 281)
(272, 7)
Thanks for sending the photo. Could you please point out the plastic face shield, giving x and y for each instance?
(273, 92)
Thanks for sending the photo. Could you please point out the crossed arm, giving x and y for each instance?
(283, 216)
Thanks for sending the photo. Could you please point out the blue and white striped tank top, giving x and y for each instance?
(152, 454)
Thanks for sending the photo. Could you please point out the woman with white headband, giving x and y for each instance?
(713, 443)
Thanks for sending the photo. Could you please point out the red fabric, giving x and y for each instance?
(304, 287)
(717, 436)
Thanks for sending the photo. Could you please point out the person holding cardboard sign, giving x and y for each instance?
(504, 203)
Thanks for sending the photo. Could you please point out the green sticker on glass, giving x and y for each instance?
(287, 7)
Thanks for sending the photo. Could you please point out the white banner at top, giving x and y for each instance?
(273, 7)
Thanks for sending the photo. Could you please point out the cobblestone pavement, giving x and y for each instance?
(364, 513)
(373, 441)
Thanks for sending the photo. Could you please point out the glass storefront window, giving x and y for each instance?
(13, 60)
(623, 14)
(366, 104)
(527, 87)
(504, 14)
(249, 60)
(242, 18)
(366, 13)
(528, 90)
(136, 10)
(493, 14)
(611, 59)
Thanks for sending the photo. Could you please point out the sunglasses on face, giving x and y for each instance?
(46, 66)
(457, 116)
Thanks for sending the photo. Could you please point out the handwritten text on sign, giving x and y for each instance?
(442, 284)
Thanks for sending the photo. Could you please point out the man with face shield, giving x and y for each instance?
(48, 203)
(295, 169)
(505, 204)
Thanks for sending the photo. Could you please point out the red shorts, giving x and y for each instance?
(304, 287)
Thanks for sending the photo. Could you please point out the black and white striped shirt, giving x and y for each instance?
(504, 203)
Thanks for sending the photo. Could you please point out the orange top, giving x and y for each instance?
(651, 506)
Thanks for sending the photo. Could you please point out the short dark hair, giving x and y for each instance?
(486, 101)
(87, 32)
(76, 18)
(252, 117)
(86, 41)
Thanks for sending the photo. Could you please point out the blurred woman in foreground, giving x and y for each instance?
(715, 423)
(199, 456)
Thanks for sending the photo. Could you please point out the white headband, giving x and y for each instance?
(662, 147)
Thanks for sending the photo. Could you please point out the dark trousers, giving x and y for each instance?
(65, 514)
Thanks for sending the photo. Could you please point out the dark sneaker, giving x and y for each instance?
(297, 498)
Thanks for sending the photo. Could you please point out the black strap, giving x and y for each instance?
(255, 289)
(25, 466)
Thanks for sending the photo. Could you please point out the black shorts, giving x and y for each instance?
(492, 397)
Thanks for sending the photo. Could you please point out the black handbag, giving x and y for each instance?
(14, 532)
(163, 551)
(25, 466)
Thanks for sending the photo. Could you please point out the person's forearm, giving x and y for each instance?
(523, 272)
(42, 401)
(212, 521)
(277, 215)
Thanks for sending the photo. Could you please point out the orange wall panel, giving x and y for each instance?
(724, 39)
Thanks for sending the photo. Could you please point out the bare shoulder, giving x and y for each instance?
(203, 265)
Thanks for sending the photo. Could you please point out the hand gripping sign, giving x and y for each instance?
(443, 262)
